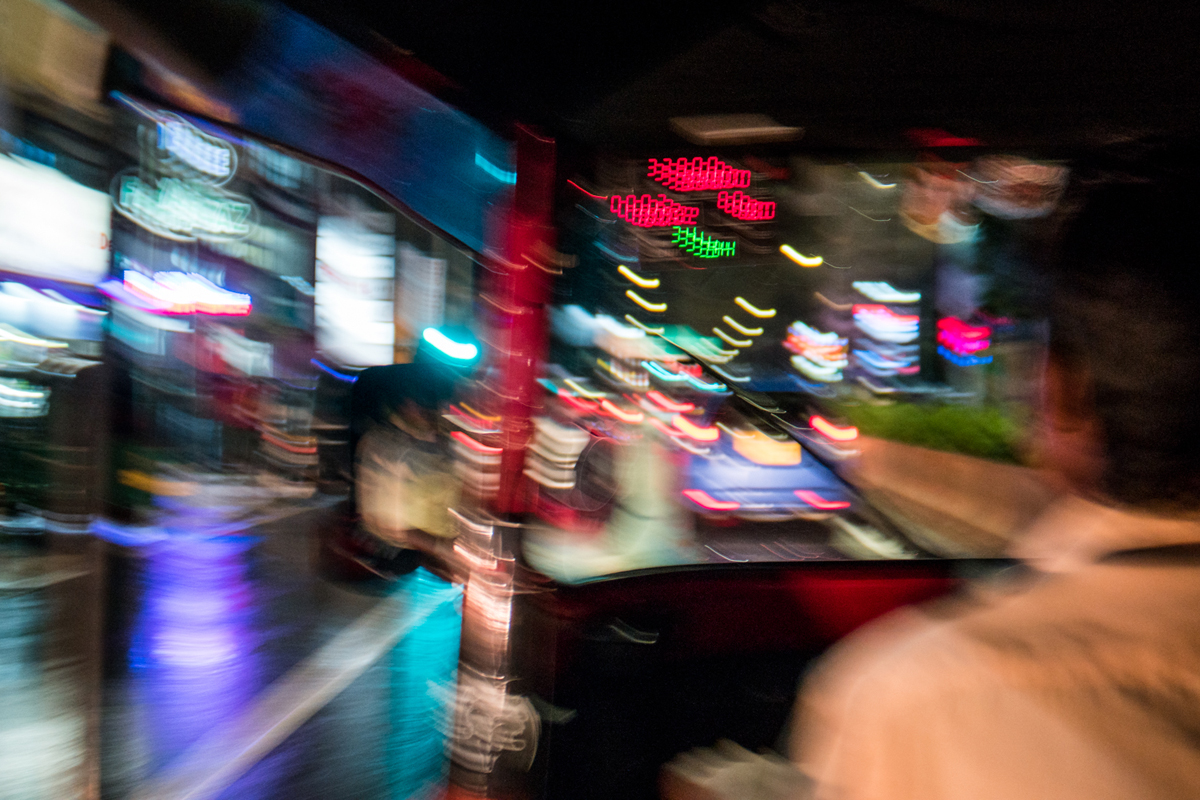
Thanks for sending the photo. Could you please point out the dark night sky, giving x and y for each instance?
(855, 74)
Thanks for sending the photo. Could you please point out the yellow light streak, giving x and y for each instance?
(656, 308)
(732, 341)
(800, 258)
(638, 324)
(479, 414)
(742, 329)
(584, 392)
(761, 313)
(638, 280)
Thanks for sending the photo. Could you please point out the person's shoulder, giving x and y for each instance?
(907, 655)
(896, 672)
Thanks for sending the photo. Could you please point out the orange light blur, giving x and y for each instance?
(609, 407)
(694, 431)
(831, 431)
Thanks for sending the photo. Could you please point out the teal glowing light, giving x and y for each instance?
(701, 244)
(461, 351)
(662, 373)
(491, 169)
(423, 671)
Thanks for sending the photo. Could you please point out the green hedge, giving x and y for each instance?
(983, 431)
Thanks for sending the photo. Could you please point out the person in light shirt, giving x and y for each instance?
(1080, 679)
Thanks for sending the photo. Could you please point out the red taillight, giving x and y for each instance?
(816, 501)
(702, 499)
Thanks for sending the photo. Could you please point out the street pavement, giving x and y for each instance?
(215, 662)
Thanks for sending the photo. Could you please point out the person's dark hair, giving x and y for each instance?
(1126, 314)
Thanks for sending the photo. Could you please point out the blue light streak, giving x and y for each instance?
(491, 169)
(332, 372)
(961, 360)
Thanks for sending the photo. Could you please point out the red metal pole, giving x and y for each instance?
(519, 294)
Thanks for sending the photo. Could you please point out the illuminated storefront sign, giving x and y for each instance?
(175, 292)
(649, 212)
(744, 207)
(51, 226)
(682, 175)
(183, 210)
(207, 154)
(701, 244)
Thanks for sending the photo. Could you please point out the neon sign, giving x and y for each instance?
(681, 175)
(650, 212)
(958, 342)
(177, 293)
(201, 152)
(744, 207)
(701, 244)
(182, 210)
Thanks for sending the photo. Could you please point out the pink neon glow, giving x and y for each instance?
(744, 207)
(609, 407)
(682, 175)
(589, 194)
(831, 431)
(669, 404)
(962, 338)
(478, 447)
(651, 212)
(883, 312)
(816, 501)
(964, 330)
(695, 431)
(185, 293)
(702, 499)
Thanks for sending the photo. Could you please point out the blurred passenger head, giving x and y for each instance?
(1123, 387)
